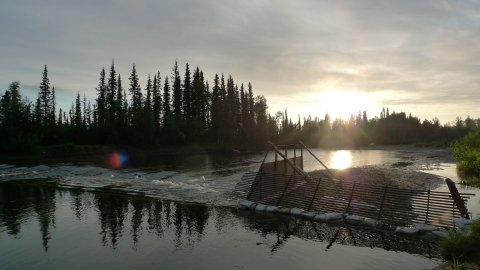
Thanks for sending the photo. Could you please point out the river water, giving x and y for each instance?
(174, 212)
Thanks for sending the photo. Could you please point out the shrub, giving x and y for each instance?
(467, 153)
(459, 245)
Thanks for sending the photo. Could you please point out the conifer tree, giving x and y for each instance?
(101, 108)
(44, 97)
(204, 97)
(89, 115)
(244, 114)
(187, 94)
(176, 91)
(78, 113)
(60, 122)
(166, 98)
(53, 110)
(148, 89)
(250, 100)
(199, 97)
(157, 102)
(135, 90)
(111, 94)
(121, 111)
(85, 112)
(216, 109)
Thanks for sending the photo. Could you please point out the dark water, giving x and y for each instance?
(114, 212)
(44, 226)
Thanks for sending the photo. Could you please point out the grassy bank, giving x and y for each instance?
(467, 153)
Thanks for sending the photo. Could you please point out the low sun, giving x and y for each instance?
(341, 104)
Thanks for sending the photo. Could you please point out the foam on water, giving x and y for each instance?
(153, 184)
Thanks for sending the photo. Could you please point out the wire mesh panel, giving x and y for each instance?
(390, 205)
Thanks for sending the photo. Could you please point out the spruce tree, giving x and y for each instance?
(176, 91)
(101, 108)
(199, 97)
(187, 94)
(204, 100)
(44, 97)
(157, 102)
(111, 94)
(166, 98)
(53, 105)
(148, 89)
(119, 105)
(84, 113)
(78, 113)
(60, 122)
(135, 90)
(216, 109)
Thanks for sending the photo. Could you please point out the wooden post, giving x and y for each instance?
(301, 154)
(428, 206)
(457, 198)
(299, 171)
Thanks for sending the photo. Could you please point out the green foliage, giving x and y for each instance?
(456, 264)
(459, 245)
(467, 153)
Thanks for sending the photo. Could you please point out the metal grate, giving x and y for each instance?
(391, 205)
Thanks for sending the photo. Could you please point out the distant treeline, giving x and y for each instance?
(176, 110)
(358, 130)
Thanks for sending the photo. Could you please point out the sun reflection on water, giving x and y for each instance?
(341, 160)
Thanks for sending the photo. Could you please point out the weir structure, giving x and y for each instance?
(285, 184)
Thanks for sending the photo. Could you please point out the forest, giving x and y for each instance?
(179, 110)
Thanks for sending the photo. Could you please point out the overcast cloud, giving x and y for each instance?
(421, 57)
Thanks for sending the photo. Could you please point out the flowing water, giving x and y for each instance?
(174, 212)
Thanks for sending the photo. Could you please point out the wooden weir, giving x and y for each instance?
(284, 183)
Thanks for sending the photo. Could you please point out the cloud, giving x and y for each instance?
(422, 53)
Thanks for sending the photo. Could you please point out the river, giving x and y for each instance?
(174, 212)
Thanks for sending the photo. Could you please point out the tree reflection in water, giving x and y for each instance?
(285, 227)
(123, 217)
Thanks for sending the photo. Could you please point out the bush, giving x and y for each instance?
(467, 153)
(459, 245)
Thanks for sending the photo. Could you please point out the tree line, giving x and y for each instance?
(179, 110)
(170, 110)
(386, 129)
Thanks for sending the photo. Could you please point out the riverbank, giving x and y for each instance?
(79, 153)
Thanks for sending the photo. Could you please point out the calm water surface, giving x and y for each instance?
(105, 214)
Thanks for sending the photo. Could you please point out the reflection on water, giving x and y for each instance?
(42, 225)
(112, 224)
(341, 159)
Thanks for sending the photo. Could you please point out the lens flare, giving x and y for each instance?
(118, 160)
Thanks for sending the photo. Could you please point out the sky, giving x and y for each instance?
(311, 57)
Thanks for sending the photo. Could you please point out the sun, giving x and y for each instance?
(341, 104)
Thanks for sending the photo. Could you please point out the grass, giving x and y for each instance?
(462, 251)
